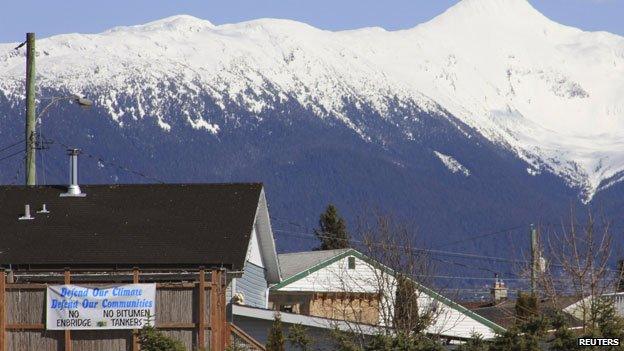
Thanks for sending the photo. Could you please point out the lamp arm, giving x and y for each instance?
(54, 100)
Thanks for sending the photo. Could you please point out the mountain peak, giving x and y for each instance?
(493, 7)
(505, 12)
(179, 23)
(487, 5)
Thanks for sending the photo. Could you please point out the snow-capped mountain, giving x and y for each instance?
(486, 115)
(550, 93)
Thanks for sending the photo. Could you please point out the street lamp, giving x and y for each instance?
(31, 143)
(81, 101)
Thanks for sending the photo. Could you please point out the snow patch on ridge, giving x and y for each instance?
(452, 164)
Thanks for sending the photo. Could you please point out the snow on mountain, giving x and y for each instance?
(452, 164)
(550, 93)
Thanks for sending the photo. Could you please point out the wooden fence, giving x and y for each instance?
(193, 312)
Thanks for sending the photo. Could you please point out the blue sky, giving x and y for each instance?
(55, 17)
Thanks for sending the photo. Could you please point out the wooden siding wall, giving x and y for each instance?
(253, 284)
(360, 308)
(198, 321)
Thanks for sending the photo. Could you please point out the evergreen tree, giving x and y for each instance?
(344, 341)
(475, 343)
(526, 307)
(407, 318)
(332, 231)
(298, 337)
(606, 322)
(275, 341)
(564, 338)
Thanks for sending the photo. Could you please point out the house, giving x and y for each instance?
(503, 312)
(191, 245)
(254, 320)
(579, 308)
(345, 285)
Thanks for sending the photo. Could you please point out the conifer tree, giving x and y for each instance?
(332, 231)
(563, 338)
(407, 318)
(526, 307)
(298, 337)
(275, 341)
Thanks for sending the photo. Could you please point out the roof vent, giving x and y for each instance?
(43, 209)
(73, 190)
(26, 215)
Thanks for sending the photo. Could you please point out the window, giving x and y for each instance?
(435, 306)
(351, 262)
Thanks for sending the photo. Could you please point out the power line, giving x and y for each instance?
(426, 251)
(480, 236)
(18, 172)
(286, 232)
(447, 244)
(114, 164)
(273, 217)
(464, 265)
(469, 278)
(12, 145)
(430, 251)
(11, 155)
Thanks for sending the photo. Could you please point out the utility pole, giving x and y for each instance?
(31, 137)
(534, 258)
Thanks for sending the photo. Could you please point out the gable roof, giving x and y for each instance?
(266, 241)
(352, 252)
(296, 262)
(125, 225)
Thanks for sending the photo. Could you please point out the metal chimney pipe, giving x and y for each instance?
(73, 190)
(26, 215)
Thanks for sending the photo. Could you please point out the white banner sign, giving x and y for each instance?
(112, 307)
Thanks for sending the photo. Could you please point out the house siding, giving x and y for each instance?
(253, 285)
(451, 322)
(337, 277)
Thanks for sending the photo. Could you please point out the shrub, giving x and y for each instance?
(151, 339)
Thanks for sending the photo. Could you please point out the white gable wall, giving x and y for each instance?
(451, 322)
(336, 277)
(253, 252)
(253, 284)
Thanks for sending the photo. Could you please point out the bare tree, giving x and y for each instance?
(395, 282)
(403, 268)
(579, 259)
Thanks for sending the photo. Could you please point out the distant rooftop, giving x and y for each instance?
(296, 262)
(504, 313)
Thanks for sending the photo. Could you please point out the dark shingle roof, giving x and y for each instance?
(147, 224)
(504, 313)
